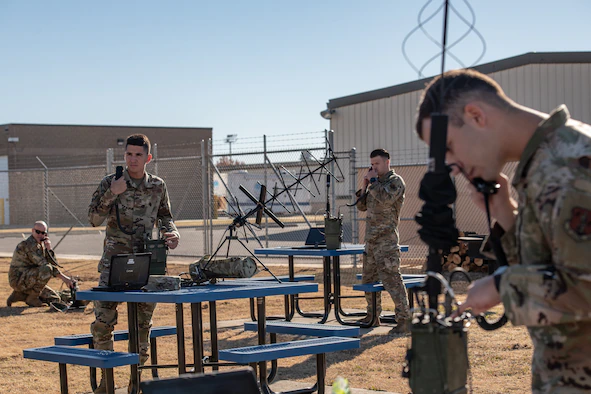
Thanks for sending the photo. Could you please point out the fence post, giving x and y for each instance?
(155, 158)
(265, 167)
(45, 191)
(204, 198)
(110, 160)
(329, 136)
(352, 190)
(46, 194)
(210, 193)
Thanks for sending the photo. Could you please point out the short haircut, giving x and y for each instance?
(380, 152)
(41, 223)
(139, 140)
(460, 88)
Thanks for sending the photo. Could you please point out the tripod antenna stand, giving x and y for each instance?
(242, 220)
(261, 204)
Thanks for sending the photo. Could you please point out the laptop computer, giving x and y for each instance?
(127, 272)
(314, 240)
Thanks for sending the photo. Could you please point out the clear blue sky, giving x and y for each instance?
(242, 67)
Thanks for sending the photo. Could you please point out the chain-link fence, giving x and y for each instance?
(296, 192)
(208, 191)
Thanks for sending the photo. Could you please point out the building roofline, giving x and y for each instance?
(487, 68)
(103, 126)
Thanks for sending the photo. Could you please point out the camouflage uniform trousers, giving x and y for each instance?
(106, 319)
(560, 362)
(381, 261)
(33, 281)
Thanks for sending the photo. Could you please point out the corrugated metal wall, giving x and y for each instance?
(385, 123)
(389, 123)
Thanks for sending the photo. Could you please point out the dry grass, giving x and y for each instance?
(500, 360)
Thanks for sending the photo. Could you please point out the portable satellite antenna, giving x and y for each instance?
(266, 199)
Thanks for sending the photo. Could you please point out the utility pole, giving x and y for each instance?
(231, 138)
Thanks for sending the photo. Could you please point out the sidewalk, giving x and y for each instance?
(179, 223)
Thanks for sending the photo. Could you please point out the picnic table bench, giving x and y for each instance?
(262, 353)
(119, 335)
(94, 358)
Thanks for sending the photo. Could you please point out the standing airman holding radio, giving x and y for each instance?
(131, 204)
(382, 196)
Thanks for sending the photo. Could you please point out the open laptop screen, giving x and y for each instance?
(129, 271)
(316, 236)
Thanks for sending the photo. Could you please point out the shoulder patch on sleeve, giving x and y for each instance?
(578, 226)
(572, 230)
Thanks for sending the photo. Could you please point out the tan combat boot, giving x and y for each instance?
(403, 327)
(102, 387)
(138, 388)
(368, 318)
(15, 297)
(33, 300)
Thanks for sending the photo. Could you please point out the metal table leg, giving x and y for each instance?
(93, 383)
(328, 295)
(63, 379)
(110, 382)
(197, 329)
(338, 311)
(337, 291)
(134, 346)
(262, 340)
(290, 299)
(213, 328)
(325, 297)
(180, 338)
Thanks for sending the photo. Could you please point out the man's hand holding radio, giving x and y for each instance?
(502, 206)
(118, 186)
(46, 243)
(370, 177)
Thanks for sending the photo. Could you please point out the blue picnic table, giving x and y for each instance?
(331, 271)
(196, 295)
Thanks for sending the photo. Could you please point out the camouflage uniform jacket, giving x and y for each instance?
(549, 278)
(383, 201)
(29, 254)
(547, 286)
(139, 209)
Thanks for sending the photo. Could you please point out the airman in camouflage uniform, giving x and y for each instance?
(131, 205)
(547, 232)
(31, 269)
(382, 198)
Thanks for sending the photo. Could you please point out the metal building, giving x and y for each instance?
(385, 117)
(50, 171)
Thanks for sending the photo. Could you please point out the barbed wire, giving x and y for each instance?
(256, 144)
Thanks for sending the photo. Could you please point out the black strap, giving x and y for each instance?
(502, 260)
(119, 219)
(494, 240)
